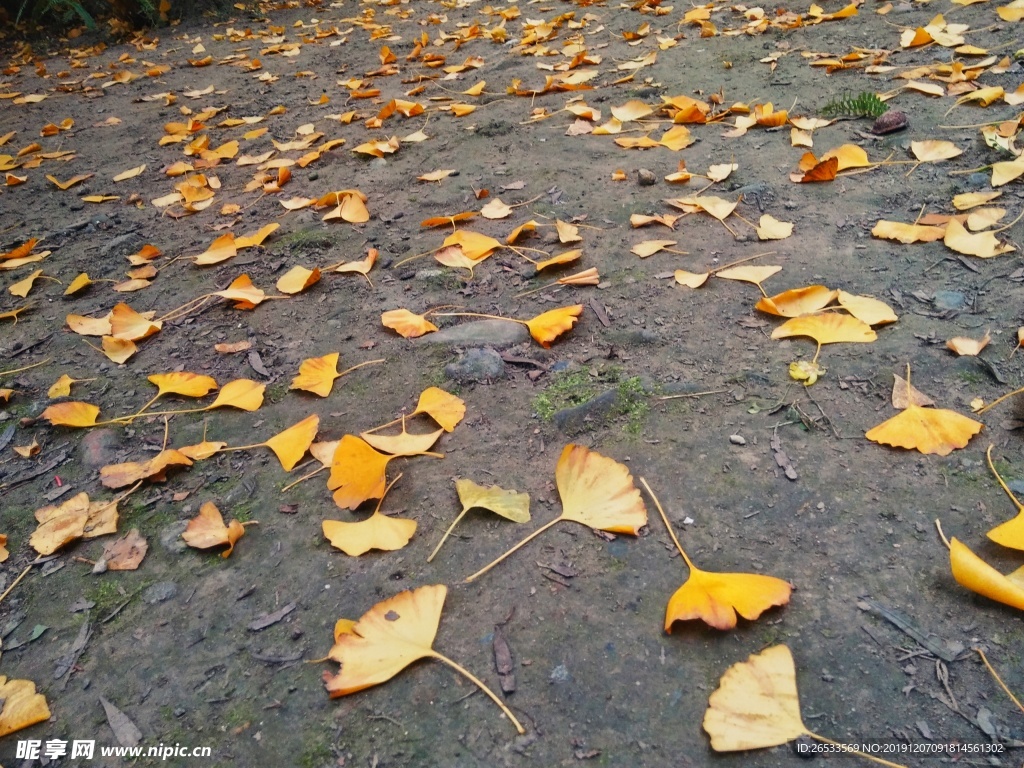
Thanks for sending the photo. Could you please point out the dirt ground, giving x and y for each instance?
(598, 680)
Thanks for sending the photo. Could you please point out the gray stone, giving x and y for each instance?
(950, 300)
(494, 333)
(430, 273)
(170, 537)
(98, 447)
(560, 674)
(977, 181)
(594, 412)
(480, 365)
(1017, 486)
(159, 592)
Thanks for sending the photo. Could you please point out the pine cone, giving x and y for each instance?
(890, 122)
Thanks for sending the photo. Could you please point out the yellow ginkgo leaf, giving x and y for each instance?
(291, 445)
(972, 572)
(596, 491)
(716, 206)
(1006, 171)
(183, 383)
(378, 531)
(797, 301)
(651, 247)
(22, 706)
(443, 407)
(61, 387)
(748, 274)
(82, 281)
(207, 530)
(452, 256)
(867, 309)
(630, 111)
(907, 233)
(89, 326)
(317, 374)
(388, 638)
(548, 326)
(965, 346)
(807, 371)
(242, 291)
(297, 279)
(770, 228)
(691, 279)
(826, 328)
(22, 287)
(474, 245)
(984, 245)
(73, 414)
(967, 200)
(154, 469)
(756, 704)
(60, 525)
(118, 350)
(221, 249)
(357, 472)
(511, 505)
(244, 394)
(849, 156)
(934, 150)
(256, 238)
(403, 444)
(407, 324)
(928, 430)
(128, 325)
(360, 266)
(203, 450)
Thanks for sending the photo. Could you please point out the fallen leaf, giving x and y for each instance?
(291, 445)
(548, 326)
(22, 706)
(126, 553)
(407, 324)
(443, 407)
(975, 574)
(317, 374)
(797, 301)
(867, 309)
(907, 233)
(357, 472)
(826, 328)
(963, 345)
(60, 525)
(72, 414)
(182, 383)
(207, 530)
(511, 505)
(297, 279)
(904, 394)
(127, 473)
(984, 245)
(770, 228)
(130, 173)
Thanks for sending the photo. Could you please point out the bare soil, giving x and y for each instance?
(598, 680)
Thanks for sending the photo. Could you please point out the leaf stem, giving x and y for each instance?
(847, 750)
(479, 684)
(303, 478)
(988, 456)
(25, 368)
(998, 679)
(444, 538)
(518, 546)
(1000, 399)
(664, 519)
(20, 577)
(938, 527)
(360, 365)
(479, 314)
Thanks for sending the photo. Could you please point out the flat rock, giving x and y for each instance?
(479, 365)
(950, 300)
(170, 537)
(98, 447)
(494, 333)
(159, 592)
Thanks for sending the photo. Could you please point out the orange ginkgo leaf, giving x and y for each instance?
(128, 325)
(965, 346)
(388, 638)
(596, 491)
(357, 472)
(825, 170)
(984, 245)
(1011, 533)
(716, 598)
(297, 279)
(221, 249)
(242, 291)
(22, 706)
(797, 301)
(407, 324)
(203, 450)
(71, 414)
(125, 553)
(118, 350)
(291, 445)
(928, 430)
(154, 469)
(975, 574)
(548, 326)
(378, 531)
(60, 525)
(360, 266)
(443, 407)
(404, 443)
(207, 530)
(317, 374)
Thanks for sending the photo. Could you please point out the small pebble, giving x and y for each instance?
(737, 439)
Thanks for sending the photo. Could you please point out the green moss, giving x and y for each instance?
(316, 753)
(566, 389)
(107, 596)
(633, 404)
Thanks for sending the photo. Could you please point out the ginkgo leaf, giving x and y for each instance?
(983, 218)
(357, 472)
(716, 206)
(716, 598)
(984, 245)
(60, 525)
(934, 150)
(691, 279)
(474, 245)
(630, 111)
(721, 171)
(221, 249)
(975, 574)
(651, 247)
(89, 326)
(756, 704)
(131, 173)
(118, 350)
(904, 393)
(511, 505)
(61, 387)
(748, 274)
(825, 170)
(128, 325)
(1006, 171)
(963, 345)
(967, 200)
(244, 394)
(496, 209)
(378, 531)
(388, 638)
(24, 286)
(928, 430)
(297, 279)
(183, 383)
(129, 472)
(207, 529)
(242, 291)
(407, 324)
(1011, 533)
(907, 233)
(567, 233)
(596, 491)
(443, 407)
(548, 326)
(203, 450)
(797, 301)
(867, 309)
(452, 256)
(403, 444)
(807, 371)
(826, 328)
(22, 706)
(770, 228)
(256, 238)
(72, 414)
(527, 228)
(126, 553)
(4, 553)
(849, 156)
(291, 445)
(317, 374)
